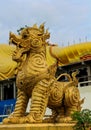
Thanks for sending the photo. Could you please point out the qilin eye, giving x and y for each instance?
(24, 36)
(20, 46)
(40, 34)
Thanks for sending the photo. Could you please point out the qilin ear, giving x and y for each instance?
(41, 27)
(46, 35)
(35, 26)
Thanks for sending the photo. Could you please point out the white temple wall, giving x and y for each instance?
(85, 92)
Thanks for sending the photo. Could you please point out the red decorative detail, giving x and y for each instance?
(86, 57)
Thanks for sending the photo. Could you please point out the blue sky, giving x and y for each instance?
(67, 20)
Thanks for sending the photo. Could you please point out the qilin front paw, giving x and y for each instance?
(28, 119)
(11, 120)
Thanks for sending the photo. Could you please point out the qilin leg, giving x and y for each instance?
(71, 103)
(51, 118)
(19, 110)
(39, 102)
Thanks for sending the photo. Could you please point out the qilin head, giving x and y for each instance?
(29, 38)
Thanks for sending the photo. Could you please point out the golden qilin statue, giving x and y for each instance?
(36, 79)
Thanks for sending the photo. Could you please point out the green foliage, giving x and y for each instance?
(82, 118)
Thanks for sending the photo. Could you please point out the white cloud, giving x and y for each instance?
(66, 20)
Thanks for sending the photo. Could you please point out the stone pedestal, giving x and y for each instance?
(58, 126)
(42, 126)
